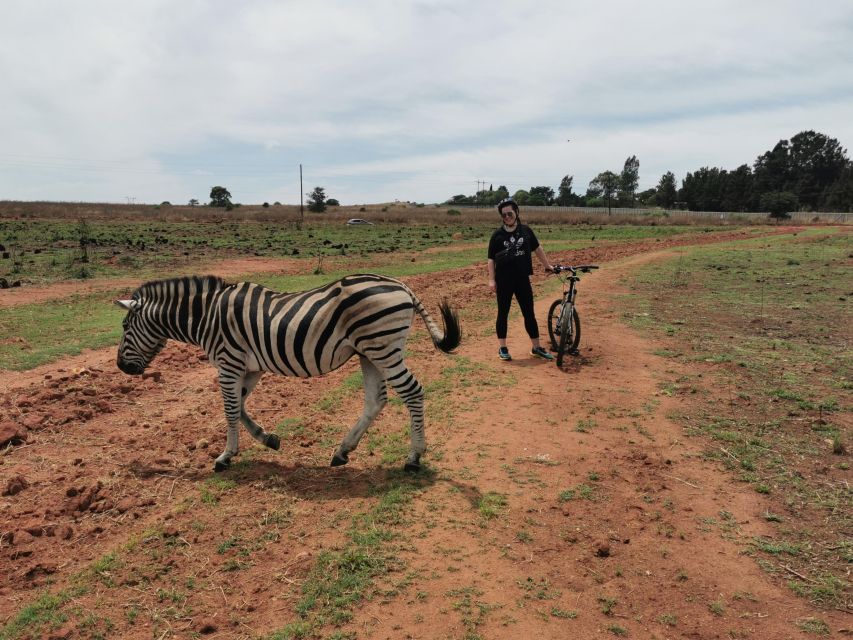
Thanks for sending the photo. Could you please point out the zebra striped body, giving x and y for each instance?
(247, 329)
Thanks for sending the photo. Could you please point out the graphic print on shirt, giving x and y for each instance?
(516, 245)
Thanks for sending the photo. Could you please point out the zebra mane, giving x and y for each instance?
(182, 283)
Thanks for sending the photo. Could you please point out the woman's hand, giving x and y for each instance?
(493, 286)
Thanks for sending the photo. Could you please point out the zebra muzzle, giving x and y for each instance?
(130, 368)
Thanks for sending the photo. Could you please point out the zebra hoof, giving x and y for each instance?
(412, 467)
(339, 460)
(219, 467)
(272, 441)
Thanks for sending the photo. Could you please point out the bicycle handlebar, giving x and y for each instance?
(583, 268)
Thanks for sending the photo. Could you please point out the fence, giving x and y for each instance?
(800, 216)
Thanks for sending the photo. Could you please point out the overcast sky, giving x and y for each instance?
(382, 100)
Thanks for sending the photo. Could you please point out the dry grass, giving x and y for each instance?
(398, 212)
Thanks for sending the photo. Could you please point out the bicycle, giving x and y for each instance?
(564, 323)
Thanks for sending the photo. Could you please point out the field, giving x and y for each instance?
(686, 476)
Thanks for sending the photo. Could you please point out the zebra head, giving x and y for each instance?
(140, 341)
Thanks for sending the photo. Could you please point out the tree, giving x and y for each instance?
(738, 190)
(816, 161)
(666, 191)
(702, 190)
(648, 197)
(779, 203)
(317, 200)
(521, 197)
(628, 181)
(332, 202)
(541, 196)
(603, 186)
(839, 197)
(193, 202)
(565, 197)
(220, 197)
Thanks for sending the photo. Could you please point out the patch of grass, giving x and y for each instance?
(826, 589)
(586, 425)
(813, 625)
(717, 607)
(776, 547)
(765, 345)
(579, 492)
(540, 589)
(491, 505)
(343, 577)
(46, 332)
(45, 613)
(668, 619)
(566, 614)
(606, 605)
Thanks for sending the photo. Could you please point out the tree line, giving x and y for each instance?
(809, 172)
(221, 197)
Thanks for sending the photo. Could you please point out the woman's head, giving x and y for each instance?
(508, 209)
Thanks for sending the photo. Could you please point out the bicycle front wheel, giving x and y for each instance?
(570, 336)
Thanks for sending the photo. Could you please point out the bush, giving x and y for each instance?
(332, 202)
(454, 212)
(266, 205)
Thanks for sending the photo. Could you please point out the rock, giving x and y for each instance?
(15, 485)
(12, 433)
(602, 549)
(33, 420)
(125, 504)
(23, 537)
(65, 532)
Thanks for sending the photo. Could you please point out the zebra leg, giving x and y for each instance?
(412, 393)
(270, 440)
(375, 397)
(230, 384)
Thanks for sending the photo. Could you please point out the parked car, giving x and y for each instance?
(358, 221)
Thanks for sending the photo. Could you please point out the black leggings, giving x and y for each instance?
(523, 292)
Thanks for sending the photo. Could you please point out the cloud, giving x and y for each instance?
(156, 100)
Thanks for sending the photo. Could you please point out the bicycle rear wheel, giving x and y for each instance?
(553, 323)
(570, 336)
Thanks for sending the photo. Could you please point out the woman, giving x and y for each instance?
(511, 252)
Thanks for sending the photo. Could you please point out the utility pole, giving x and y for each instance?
(301, 209)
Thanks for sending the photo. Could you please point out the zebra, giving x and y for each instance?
(247, 329)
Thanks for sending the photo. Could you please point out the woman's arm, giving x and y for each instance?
(540, 253)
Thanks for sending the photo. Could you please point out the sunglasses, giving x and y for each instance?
(507, 214)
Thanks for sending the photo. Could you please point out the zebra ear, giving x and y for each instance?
(130, 305)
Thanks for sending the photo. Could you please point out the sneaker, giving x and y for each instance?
(503, 354)
(539, 352)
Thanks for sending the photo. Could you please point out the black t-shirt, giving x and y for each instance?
(521, 242)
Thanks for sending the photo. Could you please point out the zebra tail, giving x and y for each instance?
(448, 339)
